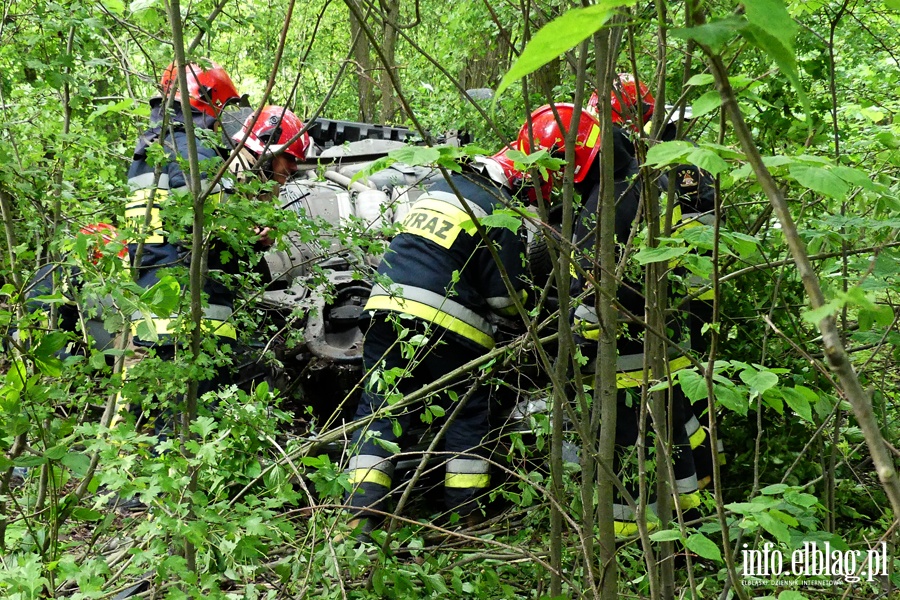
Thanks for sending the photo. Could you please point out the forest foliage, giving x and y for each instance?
(795, 108)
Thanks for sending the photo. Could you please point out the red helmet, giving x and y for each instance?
(625, 100)
(106, 234)
(209, 89)
(549, 136)
(275, 126)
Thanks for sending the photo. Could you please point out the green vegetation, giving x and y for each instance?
(796, 114)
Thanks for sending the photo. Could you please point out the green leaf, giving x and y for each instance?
(820, 180)
(50, 344)
(502, 220)
(707, 160)
(700, 79)
(772, 16)
(112, 107)
(826, 310)
(714, 34)
(76, 461)
(706, 103)
(17, 375)
(800, 499)
(416, 155)
(692, 384)
(98, 360)
(115, 6)
(50, 366)
(774, 489)
(856, 177)
(81, 513)
(146, 330)
(745, 245)
(731, 399)
(774, 526)
(703, 546)
(56, 453)
(759, 381)
(784, 517)
(163, 296)
(668, 153)
(666, 535)
(744, 508)
(262, 390)
(558, 36)
(791, 595)
(798, 403)
(880, 315)
(654, 255)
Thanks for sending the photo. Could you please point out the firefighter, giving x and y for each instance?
(694, 192)
(549, 134)
(272, 147)
(273, 144)
(695, 205)
(438, 280)
(167, 244)
(630, 100)
(84, 316)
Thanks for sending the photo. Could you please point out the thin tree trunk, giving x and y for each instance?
(388, 48)
(363, 59)
(605, 390)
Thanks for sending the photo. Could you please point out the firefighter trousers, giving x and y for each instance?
(371, 468)
(625, 464)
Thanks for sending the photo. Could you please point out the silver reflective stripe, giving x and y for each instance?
(442, 303)
(454, 201)
(630, 362)
(370, 461)
(707, 218)
(720, 446)
(215, 312)
(686, 485)
(586, 313)
(146, 180)
(622, 512)
(692, 426)
(500, 302)
(468, 465)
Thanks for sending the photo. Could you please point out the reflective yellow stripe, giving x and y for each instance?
(631, 379)
(723, 460)
(630, 528)
(592, 137)
(689, 501)
(216, 327)
(589, 331)
(370, 476)
(697, 438)
(467, 480)
(429, 313)
(702, 483)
